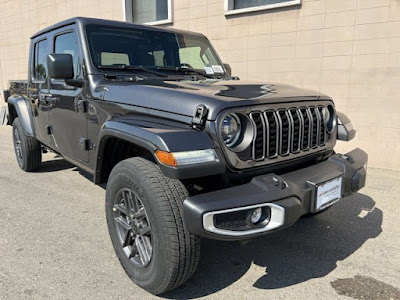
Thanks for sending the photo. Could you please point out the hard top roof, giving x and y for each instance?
(88, 21)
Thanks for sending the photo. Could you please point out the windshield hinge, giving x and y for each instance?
(200, 115)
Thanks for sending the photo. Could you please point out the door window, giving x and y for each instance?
(68, 43)
(40, 64)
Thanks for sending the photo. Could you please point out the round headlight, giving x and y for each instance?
(230, 129)
(328, 114)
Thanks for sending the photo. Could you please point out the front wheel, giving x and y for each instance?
(144, 217)
(28, 150)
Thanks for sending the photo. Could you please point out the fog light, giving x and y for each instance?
(256, 215)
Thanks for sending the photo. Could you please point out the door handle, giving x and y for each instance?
(48, 99)
(43, 95)
(52, 100)
(43, 98)
(82, 106)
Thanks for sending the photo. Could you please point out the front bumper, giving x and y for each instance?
(287, 197)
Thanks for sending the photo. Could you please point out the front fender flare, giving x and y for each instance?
(170, 140)
(23, 110)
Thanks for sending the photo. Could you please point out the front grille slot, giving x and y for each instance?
(272, 134)
(296, 132)
(322, 131)
(306, 120)
(284, 131)
(259, 137)
(315, 127)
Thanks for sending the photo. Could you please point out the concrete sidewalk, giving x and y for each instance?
(54, 244)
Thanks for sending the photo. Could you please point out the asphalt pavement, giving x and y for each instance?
(54, 244)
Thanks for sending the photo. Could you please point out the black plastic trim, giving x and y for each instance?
(291, 190)
(345, 130)
(153, 139)
(24, 113)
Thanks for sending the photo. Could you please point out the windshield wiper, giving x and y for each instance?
(183, 70)
(130, 68)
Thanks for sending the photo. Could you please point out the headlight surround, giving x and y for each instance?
(236, 131)
(231, 129)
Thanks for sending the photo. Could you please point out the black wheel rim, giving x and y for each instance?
(18, 146)
(133, 227)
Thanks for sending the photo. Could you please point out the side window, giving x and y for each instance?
(40, 64)
(68, 43)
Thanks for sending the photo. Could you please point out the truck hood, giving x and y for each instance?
(182, 97)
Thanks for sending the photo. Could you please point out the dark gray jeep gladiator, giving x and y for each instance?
(185, 149)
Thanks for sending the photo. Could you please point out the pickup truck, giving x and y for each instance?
(185, 149)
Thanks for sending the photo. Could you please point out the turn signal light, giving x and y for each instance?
(166, 158)
(185, 158)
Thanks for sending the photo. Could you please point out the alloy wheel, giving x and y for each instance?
(133, 227)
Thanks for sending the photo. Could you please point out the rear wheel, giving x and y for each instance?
(144, 217)
(28, 150)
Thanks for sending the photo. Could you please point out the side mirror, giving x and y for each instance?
(60, 66)
(345, 132)
(228, 70)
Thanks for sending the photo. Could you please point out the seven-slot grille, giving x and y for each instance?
(283, 131)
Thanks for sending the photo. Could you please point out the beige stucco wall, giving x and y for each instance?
(20, 19)
(349, 49)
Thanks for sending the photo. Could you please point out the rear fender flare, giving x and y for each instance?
(24, 113)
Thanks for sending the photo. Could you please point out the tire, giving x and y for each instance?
(28, 150)
(157, 201)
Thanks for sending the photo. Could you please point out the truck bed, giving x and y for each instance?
(16, 87)
(19, 87)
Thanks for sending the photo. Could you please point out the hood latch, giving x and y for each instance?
(200, 115)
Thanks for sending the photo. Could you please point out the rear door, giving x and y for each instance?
(38, 89)
(67, 114)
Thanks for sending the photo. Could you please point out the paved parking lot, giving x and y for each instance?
(54, 244)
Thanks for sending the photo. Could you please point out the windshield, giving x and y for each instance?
(115, 46)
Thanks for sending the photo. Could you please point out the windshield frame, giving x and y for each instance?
(156, 29)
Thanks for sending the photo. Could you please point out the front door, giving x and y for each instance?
(38, 89)
(67, 109)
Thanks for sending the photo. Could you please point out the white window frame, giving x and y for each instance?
(230, 4)
(128, 15)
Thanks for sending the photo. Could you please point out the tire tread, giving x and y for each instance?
(170, 194)
(32, 147)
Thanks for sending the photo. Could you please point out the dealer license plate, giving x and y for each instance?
(328, 193)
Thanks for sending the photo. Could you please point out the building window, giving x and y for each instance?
(151, 12)
(243, 6)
